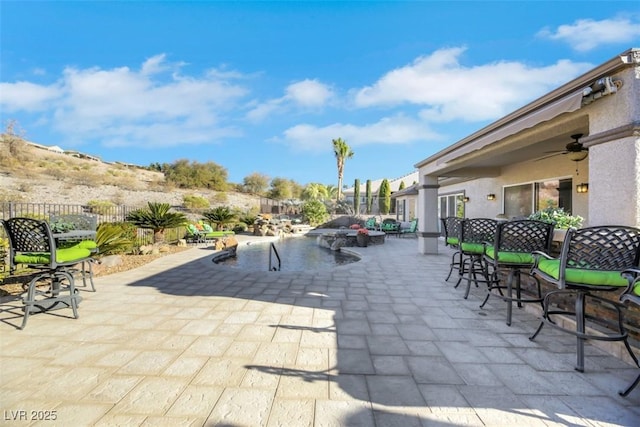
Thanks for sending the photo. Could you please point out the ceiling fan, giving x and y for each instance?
(574, 150)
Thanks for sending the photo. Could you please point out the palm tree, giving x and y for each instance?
(157, 218)
(220, 216)
(342, 151)
(315, 191)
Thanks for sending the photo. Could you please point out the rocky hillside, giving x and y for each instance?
(36, 175)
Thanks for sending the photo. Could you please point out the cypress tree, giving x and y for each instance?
(369, 198)
(356, 197)
(384, 197)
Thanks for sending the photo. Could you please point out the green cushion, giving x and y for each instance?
(475, 248)
(62, 256)
(220, 233)
(453, 240)
(88, 244)
(191, 229)
(551, 267)
(207, 228)
(510, 257)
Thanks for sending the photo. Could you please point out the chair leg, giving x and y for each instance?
(580, 329)
(455, 265)
(631, 387)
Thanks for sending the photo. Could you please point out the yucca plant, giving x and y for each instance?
(157, 217)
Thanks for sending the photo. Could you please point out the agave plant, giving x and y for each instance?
(157, 217)
(114, 238)
(220, 216)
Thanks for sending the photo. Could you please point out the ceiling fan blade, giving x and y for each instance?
(553, 154)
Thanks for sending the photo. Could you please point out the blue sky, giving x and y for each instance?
(265, 86)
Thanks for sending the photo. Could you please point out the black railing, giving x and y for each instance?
(273, 251)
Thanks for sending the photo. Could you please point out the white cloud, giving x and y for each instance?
(309, 93)
(151, 107)
(306, 94)
(587, 34)
(390, 130)
(450, 91)
(27, 96)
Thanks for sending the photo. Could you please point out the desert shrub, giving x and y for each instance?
(314, 212)
(115, 238)
(191, 201)
(100, 207)
(25, 186)
(220, 197)
(56, 172)
(87, 178)
(240, 227)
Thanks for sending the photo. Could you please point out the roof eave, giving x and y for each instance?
(613, 65)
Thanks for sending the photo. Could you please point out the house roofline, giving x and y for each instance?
(615, 64)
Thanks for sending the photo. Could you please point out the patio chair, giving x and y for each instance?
(452, 227)
(631, 294)
(591, 260)
(32, 243)
(370, 223)
(512, 250)
(475, 234)
(77, 229)
(411, 230)
(390, 226)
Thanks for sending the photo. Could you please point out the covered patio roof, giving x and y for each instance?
(528, 133)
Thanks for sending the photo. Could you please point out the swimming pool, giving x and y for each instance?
(297, 254)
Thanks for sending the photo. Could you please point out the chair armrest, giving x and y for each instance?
(537, 256)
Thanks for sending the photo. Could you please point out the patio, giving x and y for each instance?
(382, 342)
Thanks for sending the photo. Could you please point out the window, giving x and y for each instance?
(451, 205)
(523, 199)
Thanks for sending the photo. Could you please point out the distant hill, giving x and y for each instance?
(37, 174)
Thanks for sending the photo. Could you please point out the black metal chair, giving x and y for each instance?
(475, 234)
(631, 294)
(77, 229)
(452, 227)
(52, 286)
(512, 250)
(591, 260)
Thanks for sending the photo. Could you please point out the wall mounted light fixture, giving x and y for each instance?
(465, 199)
(491, 196)
(582, 188)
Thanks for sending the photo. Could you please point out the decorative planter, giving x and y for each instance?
(362, 240)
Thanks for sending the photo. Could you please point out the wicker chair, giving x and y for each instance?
(452, 227)
(591, 259)
(32, 243)
(512, 250)
(475, 234)
(631, 294)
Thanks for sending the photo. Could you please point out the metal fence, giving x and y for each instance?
(104, 214)
(45, 210)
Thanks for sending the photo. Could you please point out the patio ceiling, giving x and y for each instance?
(529, 145)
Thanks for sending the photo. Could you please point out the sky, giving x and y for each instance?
(264, 87)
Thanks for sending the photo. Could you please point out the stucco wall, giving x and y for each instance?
(614, 185)
(552, 168)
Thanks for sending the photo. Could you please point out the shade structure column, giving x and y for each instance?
(428, 226)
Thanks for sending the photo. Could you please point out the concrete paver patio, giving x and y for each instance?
(382, 342)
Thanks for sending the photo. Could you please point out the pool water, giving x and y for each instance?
(296, 253)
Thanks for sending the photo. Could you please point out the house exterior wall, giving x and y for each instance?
(614, 185)
(521, 173)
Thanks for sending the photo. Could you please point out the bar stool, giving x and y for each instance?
(475, 234)
(512, 250)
